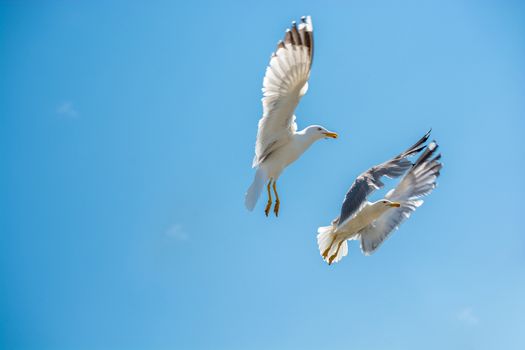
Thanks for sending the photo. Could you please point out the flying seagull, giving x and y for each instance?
(278, 141)
(373, 222)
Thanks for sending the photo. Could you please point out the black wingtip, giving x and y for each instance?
(427, 135)
(417, 147)
(429, 151)
(303, 19)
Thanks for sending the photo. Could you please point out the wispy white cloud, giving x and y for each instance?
(177, 232)
(467, 316)
(67, 109)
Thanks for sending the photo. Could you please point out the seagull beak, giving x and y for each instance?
(394, 205)
(331, 134)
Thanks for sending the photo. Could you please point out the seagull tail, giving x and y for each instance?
(253, 193)
(331, 248)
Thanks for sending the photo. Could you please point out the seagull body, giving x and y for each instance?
(283, 156)
(278, 142)
(372, 223)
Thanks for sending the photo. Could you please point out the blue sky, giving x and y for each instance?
(126, 138)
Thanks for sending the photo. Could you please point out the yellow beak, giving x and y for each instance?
(395, 205)
(331, 134)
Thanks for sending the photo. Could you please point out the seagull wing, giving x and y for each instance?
(419, 181)
(285, 82)
(370, 180)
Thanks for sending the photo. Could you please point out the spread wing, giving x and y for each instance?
(370, 180)
(285, 82)
(419, 181)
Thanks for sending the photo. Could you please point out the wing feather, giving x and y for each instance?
(285, 82)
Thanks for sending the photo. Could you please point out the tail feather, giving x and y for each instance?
(331, 247)
(254, 192)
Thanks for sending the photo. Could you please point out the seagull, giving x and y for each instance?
(278, 142)
(373, 222)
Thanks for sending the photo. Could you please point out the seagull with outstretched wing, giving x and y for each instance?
(373, 222)
(278, 141)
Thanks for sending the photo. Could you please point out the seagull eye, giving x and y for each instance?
(319, 129)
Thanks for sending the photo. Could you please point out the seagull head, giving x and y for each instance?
(385, 203)
(318, 132)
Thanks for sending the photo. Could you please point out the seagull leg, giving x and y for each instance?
(336, 252)
(277, 202)
(269, 204)
(325, 253)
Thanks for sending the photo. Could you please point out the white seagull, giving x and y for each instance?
(278, 141)
(372, 223)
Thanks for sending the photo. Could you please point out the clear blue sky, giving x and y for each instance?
(126, 140)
